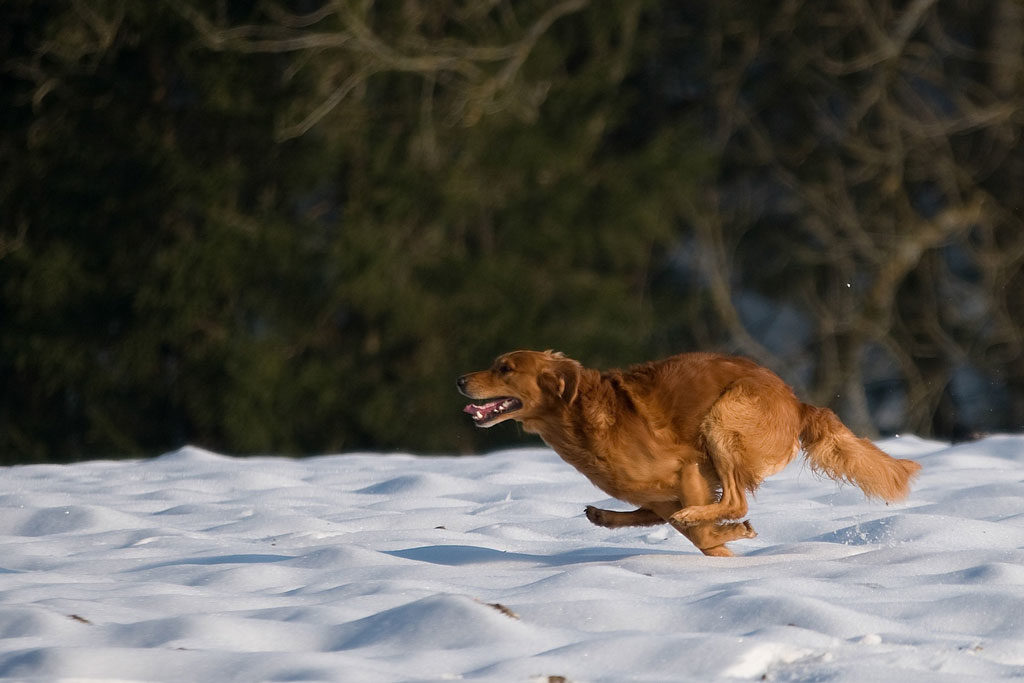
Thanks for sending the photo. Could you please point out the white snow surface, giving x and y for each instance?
(200, 567)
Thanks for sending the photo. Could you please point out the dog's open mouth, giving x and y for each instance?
(485, 414)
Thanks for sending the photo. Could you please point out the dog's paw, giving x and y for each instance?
(595, 515)
(734, 531)
(717, 551)
(686, 517)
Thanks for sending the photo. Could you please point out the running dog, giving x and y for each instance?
(683, 439)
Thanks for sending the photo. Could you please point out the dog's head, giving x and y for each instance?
(521, 385)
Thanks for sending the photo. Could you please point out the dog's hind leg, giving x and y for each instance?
(709, 537)
(733, 418)
(613, 520)
(732, 505)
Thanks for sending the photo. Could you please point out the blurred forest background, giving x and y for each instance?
(286, 227)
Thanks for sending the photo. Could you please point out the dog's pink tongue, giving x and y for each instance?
(485, 408)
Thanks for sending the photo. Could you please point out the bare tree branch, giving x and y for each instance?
(485, 73)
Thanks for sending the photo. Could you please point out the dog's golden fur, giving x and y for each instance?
(683, 439)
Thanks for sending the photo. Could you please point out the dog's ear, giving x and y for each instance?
(562, 379)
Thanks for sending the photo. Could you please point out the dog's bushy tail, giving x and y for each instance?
(834, 450)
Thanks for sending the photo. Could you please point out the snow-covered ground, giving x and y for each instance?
(194, 566)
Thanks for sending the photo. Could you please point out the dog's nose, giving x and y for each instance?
(461, 382)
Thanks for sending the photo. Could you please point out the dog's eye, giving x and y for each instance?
(504, 368)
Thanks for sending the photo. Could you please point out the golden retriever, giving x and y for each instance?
(682, 439)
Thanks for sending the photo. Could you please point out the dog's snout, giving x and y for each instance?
(461, 382)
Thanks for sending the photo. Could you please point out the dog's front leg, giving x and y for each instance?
(709, 538)
(613, 520)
